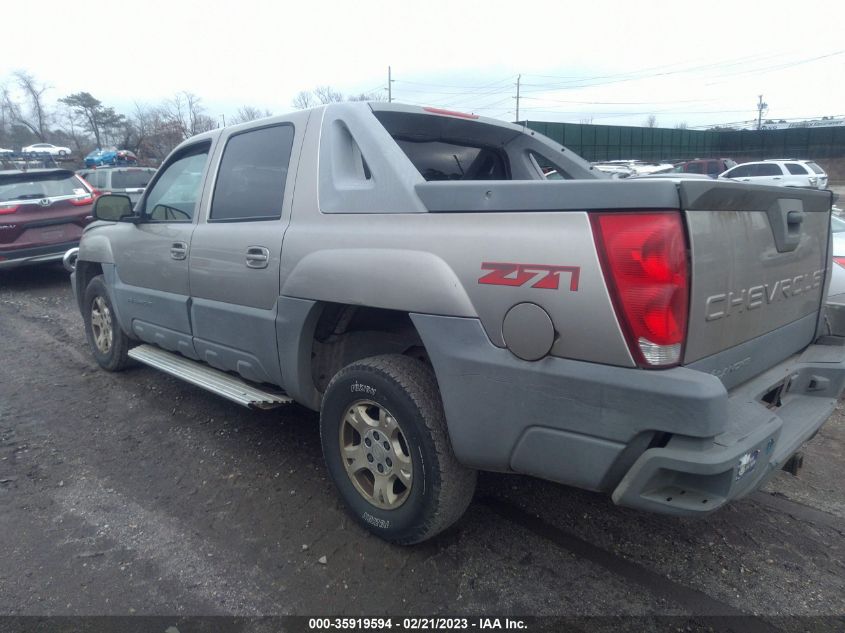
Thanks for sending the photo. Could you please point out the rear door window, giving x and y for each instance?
(251, 179)
(766, 169)
(795, 169)
(743, 171)
(694, 168)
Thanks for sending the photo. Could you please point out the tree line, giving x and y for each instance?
(82, 122)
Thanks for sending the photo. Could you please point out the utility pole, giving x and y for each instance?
(518, 80)
(760, 107)
(389, 86)
(223, 116)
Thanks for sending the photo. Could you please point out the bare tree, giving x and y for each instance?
(304, 99)
(367, 96)
(32, 113)
(162, 133)
(327, 94)
(681, 126)
(186, 113)
(651, 121)
(587, 120)
(37, 119)
(249, 113)
(68, 121)
(5, 118)
(322, 95)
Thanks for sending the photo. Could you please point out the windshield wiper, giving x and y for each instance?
(30, 196)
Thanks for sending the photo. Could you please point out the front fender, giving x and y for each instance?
(95, 248)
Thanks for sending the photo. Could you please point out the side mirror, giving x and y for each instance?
(112, 208)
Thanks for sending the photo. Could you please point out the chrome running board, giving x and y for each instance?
(213, 380)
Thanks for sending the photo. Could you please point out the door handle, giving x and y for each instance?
(257, 257)
(776, 178)
(178, 250)
(794, 217)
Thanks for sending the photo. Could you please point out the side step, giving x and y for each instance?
(208, 378)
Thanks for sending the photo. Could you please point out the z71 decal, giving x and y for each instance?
(547, 277)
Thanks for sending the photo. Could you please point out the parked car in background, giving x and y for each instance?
(709, 166)
(836, 291)
(42, 214)
(46, 148)
(625, 168)
(130, 181)
(6, 151)
(100, 157)
(837, 228)
(614, 170)
(781, 172)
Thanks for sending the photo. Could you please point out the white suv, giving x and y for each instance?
(783, 172)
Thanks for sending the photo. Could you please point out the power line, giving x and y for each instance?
(666, 67)
(437, 85)
(633, 77)
(620, 102)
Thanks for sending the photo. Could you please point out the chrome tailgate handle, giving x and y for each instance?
(257, 257)
(178, 250)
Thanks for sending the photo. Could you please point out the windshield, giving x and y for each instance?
(37, 186)
(131, 179)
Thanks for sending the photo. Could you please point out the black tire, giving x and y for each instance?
(114, 356)
(441, 488)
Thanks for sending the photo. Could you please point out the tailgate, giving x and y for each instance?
(759, 265)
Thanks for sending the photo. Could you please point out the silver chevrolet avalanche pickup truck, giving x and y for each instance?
(410, 274)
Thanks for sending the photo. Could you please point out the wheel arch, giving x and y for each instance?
(392, 279)
(85, 271)
(316, 339)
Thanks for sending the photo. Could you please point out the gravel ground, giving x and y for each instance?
(134, 493)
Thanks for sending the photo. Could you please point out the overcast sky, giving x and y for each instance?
(615, 62)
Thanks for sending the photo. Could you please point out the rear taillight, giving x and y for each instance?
(81, 202)
(838, 260)
(12, 208)
(644, 260)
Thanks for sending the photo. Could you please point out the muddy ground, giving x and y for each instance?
(135, 493)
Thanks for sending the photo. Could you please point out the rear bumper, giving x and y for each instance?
(37, 255)
(667, 441)
(696, 476)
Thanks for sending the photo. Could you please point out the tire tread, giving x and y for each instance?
(456, 482)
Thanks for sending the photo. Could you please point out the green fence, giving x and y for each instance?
(611, 142)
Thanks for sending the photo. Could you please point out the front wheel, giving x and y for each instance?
(387, 449)
(109, 344)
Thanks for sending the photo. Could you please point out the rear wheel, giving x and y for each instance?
(108, 343)
(388, 452)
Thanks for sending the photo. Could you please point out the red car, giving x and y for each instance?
(42, 214)
(709, 166)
